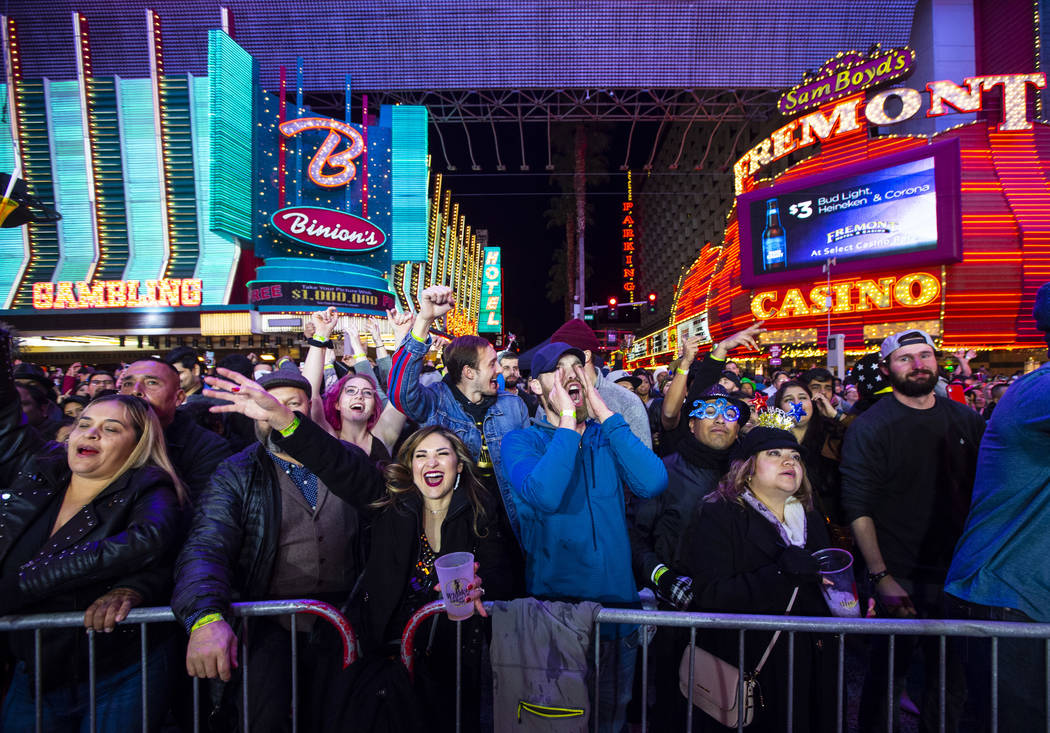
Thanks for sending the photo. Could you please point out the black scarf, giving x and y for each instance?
(702, 456)
(476, 410)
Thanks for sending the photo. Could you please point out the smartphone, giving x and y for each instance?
(209, 358)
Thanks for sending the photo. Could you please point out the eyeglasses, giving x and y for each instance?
(709, 410)
(363, 391)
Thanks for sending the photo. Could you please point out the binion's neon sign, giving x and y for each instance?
(325, 155)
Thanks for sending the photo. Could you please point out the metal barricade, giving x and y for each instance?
(838, 627)
(145, 616)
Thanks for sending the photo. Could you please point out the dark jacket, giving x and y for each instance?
(659, 522)
(195, 452)
(396, 532)
(731, 553)
(125, 537)
(232, 545)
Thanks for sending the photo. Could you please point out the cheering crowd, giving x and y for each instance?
(343, 480)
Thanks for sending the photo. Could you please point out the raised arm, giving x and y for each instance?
(405, 392)
(324, 323)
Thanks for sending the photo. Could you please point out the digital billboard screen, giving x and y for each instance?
(900, 210)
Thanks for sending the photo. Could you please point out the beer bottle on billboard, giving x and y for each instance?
(774, 243)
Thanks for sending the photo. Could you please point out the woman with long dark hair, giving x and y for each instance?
(819, 431)
(427, 503)
(91, 526)
(747, 549)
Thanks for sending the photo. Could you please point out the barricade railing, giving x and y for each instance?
(143, 617)
(831, 626)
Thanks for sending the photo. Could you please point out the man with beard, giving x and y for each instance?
(266, 527)
(569, 479)
(508, 364)
(908, 467)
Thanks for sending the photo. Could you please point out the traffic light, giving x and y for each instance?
(613, 310)
(652, 302)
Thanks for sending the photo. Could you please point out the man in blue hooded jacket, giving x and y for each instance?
(568, 482)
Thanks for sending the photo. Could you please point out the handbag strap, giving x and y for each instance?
(776, 636)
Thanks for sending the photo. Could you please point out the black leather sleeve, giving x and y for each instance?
(152, 527)
(205, 567)
(345, 469)
(18, 442)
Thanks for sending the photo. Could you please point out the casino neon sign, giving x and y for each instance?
(167, 293)
(844, 117)
(914, 290)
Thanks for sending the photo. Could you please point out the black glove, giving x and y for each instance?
(798, 565)
(676, 590)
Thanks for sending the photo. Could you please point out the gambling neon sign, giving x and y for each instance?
(325, 155)
(167, 293)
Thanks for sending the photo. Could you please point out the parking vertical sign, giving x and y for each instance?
(491, 315)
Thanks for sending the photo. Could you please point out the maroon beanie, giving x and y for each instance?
(577, 333)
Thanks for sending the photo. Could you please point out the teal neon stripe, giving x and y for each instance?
(142, 180)
(231, 71)
(69, 166)
(409, 176)
(218, 251)
(11, 245)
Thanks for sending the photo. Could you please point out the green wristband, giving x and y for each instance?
(205, 620)
(291, 428)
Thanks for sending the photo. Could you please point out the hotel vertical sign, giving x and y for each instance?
(491, 315)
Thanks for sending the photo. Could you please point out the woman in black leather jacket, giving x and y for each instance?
(76, 522)
(427, 503)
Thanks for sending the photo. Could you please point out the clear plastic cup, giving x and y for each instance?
(455, 571)
(838, 584)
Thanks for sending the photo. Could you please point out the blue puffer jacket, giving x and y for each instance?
(569, 494)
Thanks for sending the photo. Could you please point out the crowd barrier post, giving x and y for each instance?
(37, 623)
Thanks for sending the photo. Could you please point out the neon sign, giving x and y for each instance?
(847, 73)
(343, 160)
(328, 229)
(914, 290)
(845, 117)
(491, 320)
(627, 229)
(167, 293)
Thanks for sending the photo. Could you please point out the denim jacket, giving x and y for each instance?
(435, 404)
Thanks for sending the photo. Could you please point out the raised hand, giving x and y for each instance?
(596, 406)
(689, 349)
(401, 323)
(373, 330)
(559, 396)
(436, 301)
(352, 339)
(324, 322)
(822, 404)
(248, 398)
(748, 337)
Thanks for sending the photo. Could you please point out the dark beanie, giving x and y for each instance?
(577, 333)
(287, 376)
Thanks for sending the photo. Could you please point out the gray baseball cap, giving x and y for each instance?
(905, 338)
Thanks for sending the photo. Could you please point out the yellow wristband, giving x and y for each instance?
(417, 338)
(360, 357)
(568, 413)
(205, 620)
(680, 370)
(291, 428)
(658, 573)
